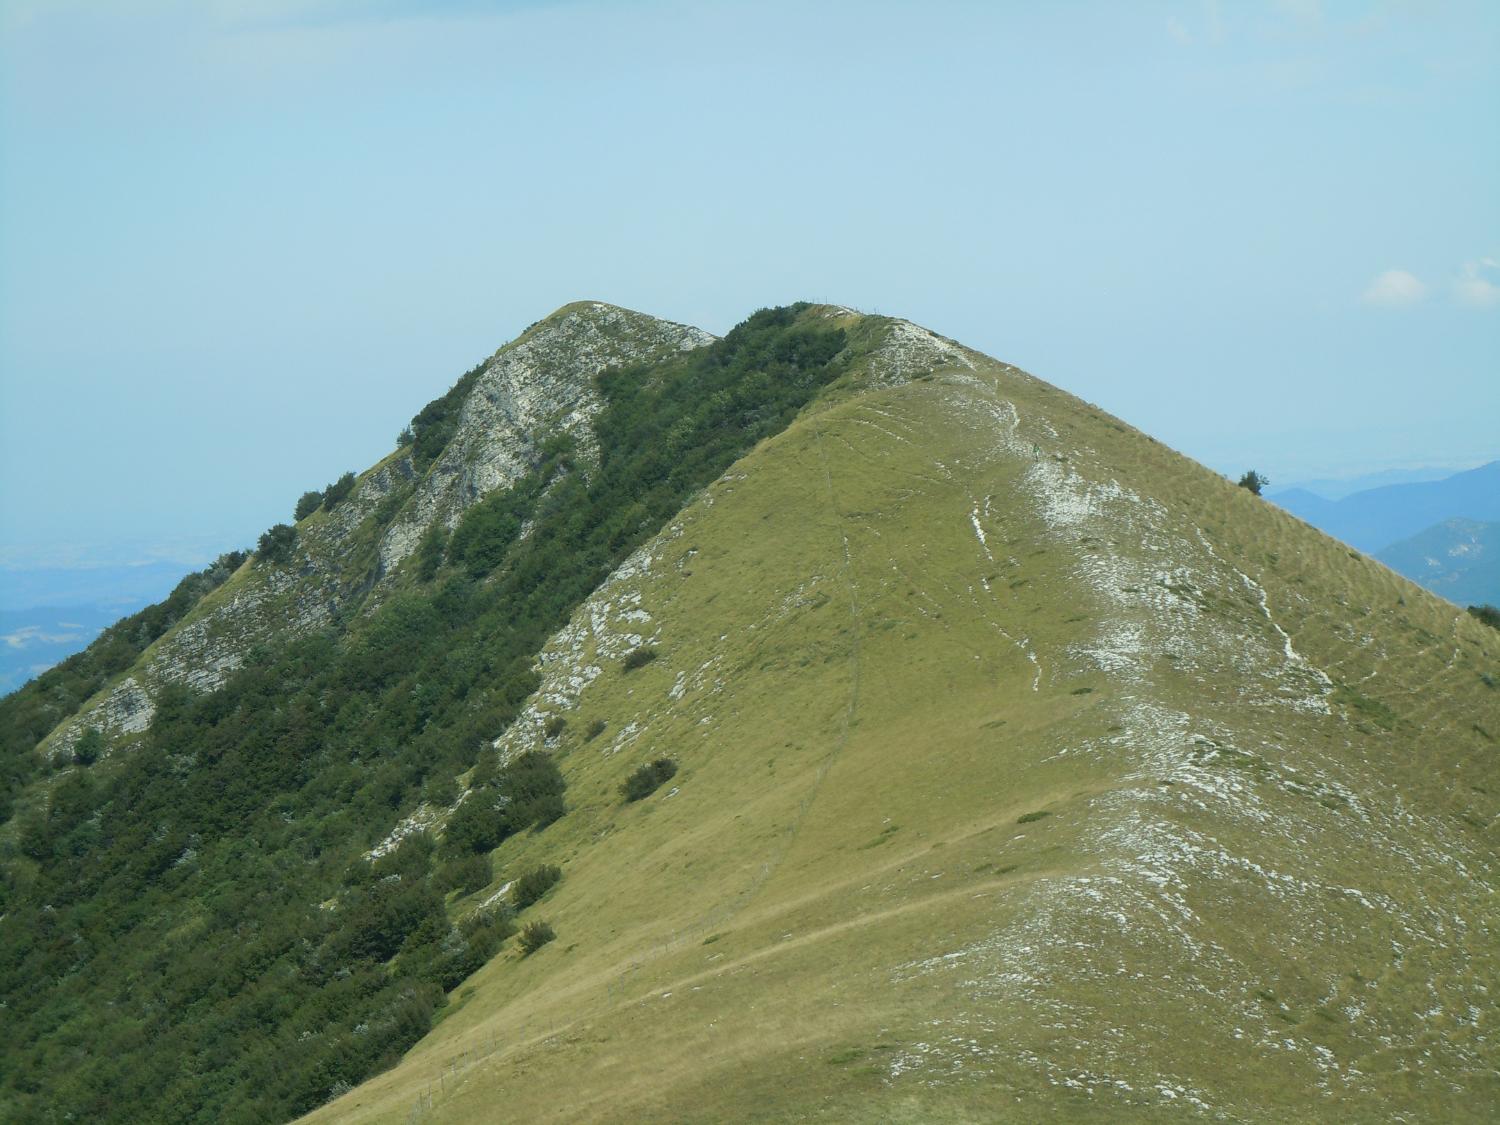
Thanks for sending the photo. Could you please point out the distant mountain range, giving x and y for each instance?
(1377, 518)
(56, 598)
(1459, 559)
(1336, 488)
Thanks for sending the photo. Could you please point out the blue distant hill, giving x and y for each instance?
(1336, 488)
(1459, 559)
(1379, 517)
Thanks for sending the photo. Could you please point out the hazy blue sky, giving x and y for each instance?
(242, 243)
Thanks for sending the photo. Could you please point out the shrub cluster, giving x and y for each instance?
(89, 746)
(309, 503)
(526, 793)
(534, 936)
(648, 779)
(465, 874)
(534, 884)
(1488, 614)
(336, 491)
(433, 427)
(276, 543)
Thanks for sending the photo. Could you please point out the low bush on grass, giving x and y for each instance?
(1487, 614)
(336, 491)
(1254, 481)
(1032, 817)
(648, 779)
(596, 728)
(639, 658)
(534, 936)
(308, 504)
(534, 884)
(486, 930)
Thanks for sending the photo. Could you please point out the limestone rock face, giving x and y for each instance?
(539, 386)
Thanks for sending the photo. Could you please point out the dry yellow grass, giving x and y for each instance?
(1263, 885)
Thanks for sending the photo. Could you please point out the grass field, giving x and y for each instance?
(1027, 771)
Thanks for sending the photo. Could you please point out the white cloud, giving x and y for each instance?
(1476, 285)
(1212, 31)
(1394, 288)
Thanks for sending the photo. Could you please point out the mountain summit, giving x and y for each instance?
(847, 725)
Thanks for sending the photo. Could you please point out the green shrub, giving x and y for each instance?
(639, 658)
(1254, 482)
(489, 529)
(1488, 614)
(465, 874)
(87, 749)
(534, 936)
(308, 504)
(487, 928)
(554, 726)
(1032, 817)
(596, 728)
(437, 422)
(648, 779)
(338, 490)
(534, 884)
(539, 811)
(276, 543)
(526, 793)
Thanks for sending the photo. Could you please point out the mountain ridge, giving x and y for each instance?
(1149, 868)
(1027, 770)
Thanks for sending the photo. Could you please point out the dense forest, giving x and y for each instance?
(192, 929)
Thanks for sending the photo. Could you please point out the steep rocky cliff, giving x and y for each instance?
(538, 386)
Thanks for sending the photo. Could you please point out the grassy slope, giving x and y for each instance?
(835, 912)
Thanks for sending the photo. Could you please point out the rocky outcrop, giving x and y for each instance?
(541, 385)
